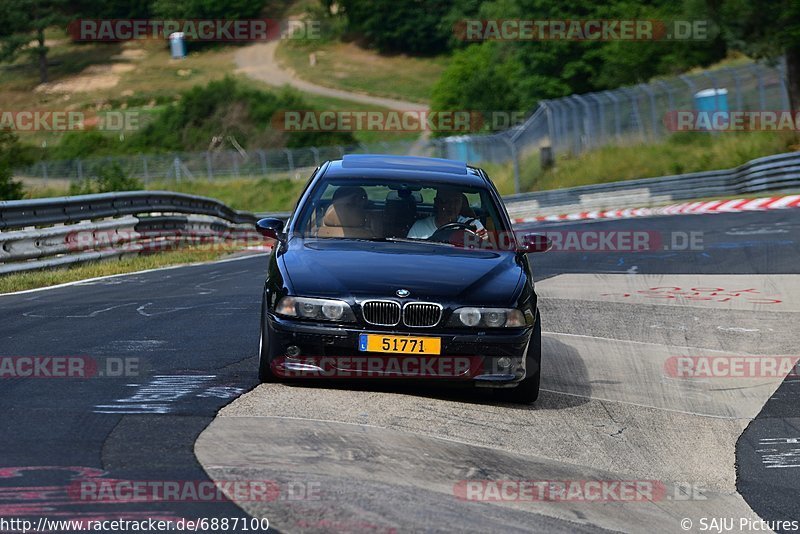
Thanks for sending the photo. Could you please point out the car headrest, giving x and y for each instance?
(466, 209)
(347, 208)
(344, 216)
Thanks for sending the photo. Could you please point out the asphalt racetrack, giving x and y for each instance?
(616, 406)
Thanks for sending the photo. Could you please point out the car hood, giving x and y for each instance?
(350, 268)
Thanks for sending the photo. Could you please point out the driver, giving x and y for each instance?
(447, 206)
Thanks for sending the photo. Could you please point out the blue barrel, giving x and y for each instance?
(711, 101)
(177, 45)
(460, 148)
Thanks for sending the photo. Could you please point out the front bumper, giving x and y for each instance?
(301, 349)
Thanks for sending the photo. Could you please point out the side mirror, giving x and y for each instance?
(271, 228)
(535, 243)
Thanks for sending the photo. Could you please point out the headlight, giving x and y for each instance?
(488, 318)
(317, 309)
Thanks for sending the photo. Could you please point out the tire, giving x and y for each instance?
(265, 373)
(527, 391)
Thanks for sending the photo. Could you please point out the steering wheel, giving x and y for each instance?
(444, 232)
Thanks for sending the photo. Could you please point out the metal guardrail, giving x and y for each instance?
(770, 173)
(61, 210)
(52, 232)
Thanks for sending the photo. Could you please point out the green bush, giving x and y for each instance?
(208, 9)
(11, 156)
(411, 26)
(110, 177)
(228, 108)
(84, 144)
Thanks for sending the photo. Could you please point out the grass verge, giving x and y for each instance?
(680, 153)
(50, 277)
(351, 68)
(256, 195)
(249, 194)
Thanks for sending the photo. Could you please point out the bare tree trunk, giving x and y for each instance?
(793, 76)
(42, 53)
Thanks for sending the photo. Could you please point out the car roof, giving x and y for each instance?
(407, 168)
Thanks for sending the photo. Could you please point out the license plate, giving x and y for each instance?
(399, 344)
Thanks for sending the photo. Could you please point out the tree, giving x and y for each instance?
(764, 29)
(11, 156)
(410, 26)
(22, 21)
(525, 72)
(228, 108)
(478, 78)
(208, 9)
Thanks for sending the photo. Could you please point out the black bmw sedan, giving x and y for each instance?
(404, 268)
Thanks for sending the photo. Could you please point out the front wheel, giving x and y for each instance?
(265, 373)
(527, 391)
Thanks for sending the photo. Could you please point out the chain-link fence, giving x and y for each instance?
(210, 165)
(623, 116)
(571, 124)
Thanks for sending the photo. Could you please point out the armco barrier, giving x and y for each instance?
(772, 173)
(52, 232)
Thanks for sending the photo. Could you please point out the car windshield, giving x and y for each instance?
(387, 209)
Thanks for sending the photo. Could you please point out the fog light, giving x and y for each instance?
(293, 351)
(504, 362)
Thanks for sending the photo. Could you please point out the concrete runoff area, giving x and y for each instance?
(611, 409)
